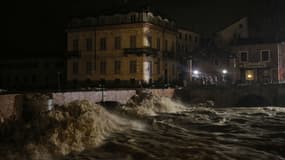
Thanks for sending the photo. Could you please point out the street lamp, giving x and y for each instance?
(224, 72)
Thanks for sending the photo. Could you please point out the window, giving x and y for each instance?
(133, 19)
(190, 37)
(165, 45)
(75, 68)
(88, 67)
(158, 66)
(103, 66)
(95, 65)
(117, 42)
(173, 69)
(243, 56)
(133, 66)
(75, 44)
(196, 39)
(240, 25)
(103, 44)
(149, 38)
(186, 37)
(158, 43)
(88, 44)
(172, 46)
(133, 42)
(265, 56)
(117, 67)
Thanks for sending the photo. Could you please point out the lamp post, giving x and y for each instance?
(224, 72)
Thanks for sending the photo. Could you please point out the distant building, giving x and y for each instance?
(187, 42)
(232, 33)
(134, 48)
(32, 72)
(259, 62)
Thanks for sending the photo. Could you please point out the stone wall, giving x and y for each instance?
(11, 105)
(92, 96)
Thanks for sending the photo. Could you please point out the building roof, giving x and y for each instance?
(160, 19)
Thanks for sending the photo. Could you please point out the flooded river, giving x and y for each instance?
(171, 132)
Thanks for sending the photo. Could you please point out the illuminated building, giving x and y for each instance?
(260, 62)
(123, 48)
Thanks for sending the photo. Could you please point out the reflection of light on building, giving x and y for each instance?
(249, 75)
(147, 33)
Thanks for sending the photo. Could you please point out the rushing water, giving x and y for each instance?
(200, 134)
(180, 133)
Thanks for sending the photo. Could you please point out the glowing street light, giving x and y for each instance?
(196, 72)
(224, 71)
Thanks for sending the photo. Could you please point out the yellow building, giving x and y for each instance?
(134, 48)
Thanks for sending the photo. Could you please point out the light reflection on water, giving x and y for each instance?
(199, 134)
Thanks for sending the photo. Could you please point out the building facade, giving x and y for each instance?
(259, 62)
(133, 48)
(32, 72)
(232, 33)
(187, 42)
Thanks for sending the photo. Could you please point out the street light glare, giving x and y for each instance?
(196, 72)
(225, 71)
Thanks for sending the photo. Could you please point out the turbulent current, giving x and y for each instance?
(149, 128)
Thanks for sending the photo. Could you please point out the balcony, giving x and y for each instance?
(73, 54)
(168, 54)
(140, 51)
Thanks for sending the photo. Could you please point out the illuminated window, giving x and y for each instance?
(249, 75)
(243, 56)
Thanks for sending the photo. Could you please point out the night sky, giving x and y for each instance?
(39, 26)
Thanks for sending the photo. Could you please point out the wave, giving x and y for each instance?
(147, 104)
(69, 128)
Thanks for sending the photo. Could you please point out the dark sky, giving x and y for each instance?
(39, 26)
